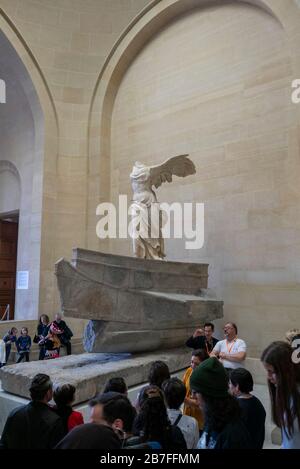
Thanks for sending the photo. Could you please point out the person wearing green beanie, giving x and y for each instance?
(223, 428)
(210, 378)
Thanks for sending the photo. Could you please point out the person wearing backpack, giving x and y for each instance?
(175, 391)
(152, 425)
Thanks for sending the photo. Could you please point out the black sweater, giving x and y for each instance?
(32, 426)
(199, 343)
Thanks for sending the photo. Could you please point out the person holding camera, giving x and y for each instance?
(66, 334)
(203, 338)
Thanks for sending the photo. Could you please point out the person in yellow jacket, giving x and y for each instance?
(190, 404)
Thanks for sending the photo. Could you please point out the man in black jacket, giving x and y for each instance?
(112, 416)
(35, 425)
(203, 339)
(67, 334)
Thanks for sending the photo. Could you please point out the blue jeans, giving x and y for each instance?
(23, 355)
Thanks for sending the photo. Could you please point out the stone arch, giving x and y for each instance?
(145, 26)
(45, 155)
(8, 166)
(39, 81)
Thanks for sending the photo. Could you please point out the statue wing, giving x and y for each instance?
(179, 165)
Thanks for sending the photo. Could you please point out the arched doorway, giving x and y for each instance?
(21, 166)
(10, 200)
(40, 104)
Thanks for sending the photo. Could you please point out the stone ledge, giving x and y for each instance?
(89, 372)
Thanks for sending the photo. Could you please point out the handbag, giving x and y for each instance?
(36, 339)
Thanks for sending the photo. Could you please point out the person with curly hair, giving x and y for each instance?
(191, 407)
(293, 337)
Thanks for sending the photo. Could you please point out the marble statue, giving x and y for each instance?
(147, 218)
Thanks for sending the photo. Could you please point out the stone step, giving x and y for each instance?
(89, 372)
(181, 297)
(132, 272)
(84, 297)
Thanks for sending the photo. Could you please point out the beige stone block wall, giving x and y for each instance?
(217, 84)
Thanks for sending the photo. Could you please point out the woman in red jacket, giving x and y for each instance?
(63, 397)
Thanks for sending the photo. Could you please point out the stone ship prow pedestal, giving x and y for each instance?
(134, 305)
(139, 310)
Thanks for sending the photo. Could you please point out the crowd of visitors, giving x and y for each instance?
(50, 337)
(212, 407)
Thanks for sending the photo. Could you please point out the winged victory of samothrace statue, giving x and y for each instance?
(147, 218)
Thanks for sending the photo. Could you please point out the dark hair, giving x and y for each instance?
(116, 385)
(24, 329)
(242, 378)
(209, 324)
(174, 391)
(152, 422)
(158, 373)
(64, 395)
(219, 412)
(12, 329)
(39, 387)
(44, 316)
(201, 354)
(285, 396)
(116, 406)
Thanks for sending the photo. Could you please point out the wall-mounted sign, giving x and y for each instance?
(22, 279)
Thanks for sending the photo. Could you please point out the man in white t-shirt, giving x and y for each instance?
(231, 351)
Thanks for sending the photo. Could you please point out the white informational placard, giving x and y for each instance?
(22, 279)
